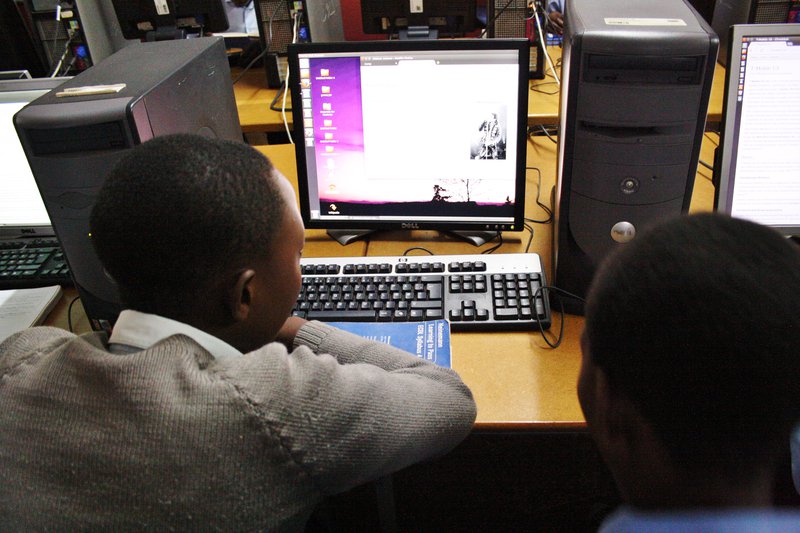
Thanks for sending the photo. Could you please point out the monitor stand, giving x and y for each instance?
(418, 32)
(346, 236)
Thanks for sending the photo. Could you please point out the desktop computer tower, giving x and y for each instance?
(72, 142)
(515, 19)
(636, 79)
(281, 23)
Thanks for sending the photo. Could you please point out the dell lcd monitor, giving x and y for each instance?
(417, 134)
(22, 210)
(757, 174)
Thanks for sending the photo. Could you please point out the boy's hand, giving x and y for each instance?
(556, 21)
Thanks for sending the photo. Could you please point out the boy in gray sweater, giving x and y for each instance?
(206, 408)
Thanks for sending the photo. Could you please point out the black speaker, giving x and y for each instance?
(514, 19)
(636, 79)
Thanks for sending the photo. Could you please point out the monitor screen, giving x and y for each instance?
(22, 210)
(757, 176)
(423, 134)
(449, 17)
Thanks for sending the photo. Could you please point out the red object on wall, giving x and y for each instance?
(351, 23)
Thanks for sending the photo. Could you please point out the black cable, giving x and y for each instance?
(544, 130)
(545, 208)
(69, 313)
(494, 17)
(535, 88)
(530, 237)
(250, 64)
(266, 48)
(709, 167)
(418, 248)
(499, 238)
(543, 292)
(55, 34)
(274, 104)
(715, 143)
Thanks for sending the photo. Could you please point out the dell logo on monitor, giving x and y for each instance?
(409, 225)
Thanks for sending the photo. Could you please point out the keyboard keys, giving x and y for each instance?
(484, 292)
(32, 263)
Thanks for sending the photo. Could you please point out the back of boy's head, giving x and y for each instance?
(178, 213)
(697, 323)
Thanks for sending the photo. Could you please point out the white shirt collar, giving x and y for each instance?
(143, 330)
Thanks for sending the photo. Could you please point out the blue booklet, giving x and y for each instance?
(429, 340)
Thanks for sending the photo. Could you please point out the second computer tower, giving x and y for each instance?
(636, 79)
(76, 133)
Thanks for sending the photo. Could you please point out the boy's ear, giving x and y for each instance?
(240, 295)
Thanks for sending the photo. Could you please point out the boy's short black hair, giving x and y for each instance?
(179, 212)
(697, 322)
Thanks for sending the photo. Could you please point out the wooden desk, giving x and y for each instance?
(253, 99)
(518, 382)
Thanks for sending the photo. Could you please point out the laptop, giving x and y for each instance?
(22, 211)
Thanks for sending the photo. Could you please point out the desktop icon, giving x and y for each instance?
(326, 106)
(325, 89)
(328, 136)
(324, 72)
(329, 148)
(327, 123)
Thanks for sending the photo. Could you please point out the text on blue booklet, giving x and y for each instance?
(429, 340)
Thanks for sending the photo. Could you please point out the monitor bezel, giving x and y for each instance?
(723, 160)
(520, 46)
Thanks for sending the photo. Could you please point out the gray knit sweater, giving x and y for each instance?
(172, 438)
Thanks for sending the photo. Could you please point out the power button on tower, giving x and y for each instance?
(629, 185)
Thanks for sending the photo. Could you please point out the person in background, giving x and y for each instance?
(555, 16)
(208, 407)
(690, 381)
(241, 16)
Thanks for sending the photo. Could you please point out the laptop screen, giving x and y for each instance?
(757, 160)
(22, 211)
(411, 134)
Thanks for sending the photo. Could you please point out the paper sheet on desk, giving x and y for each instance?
(23, 308)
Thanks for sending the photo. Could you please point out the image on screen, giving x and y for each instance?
(758, 163)
(399, 133)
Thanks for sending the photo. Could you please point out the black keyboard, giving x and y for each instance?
(473, 292)
(28, 263)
